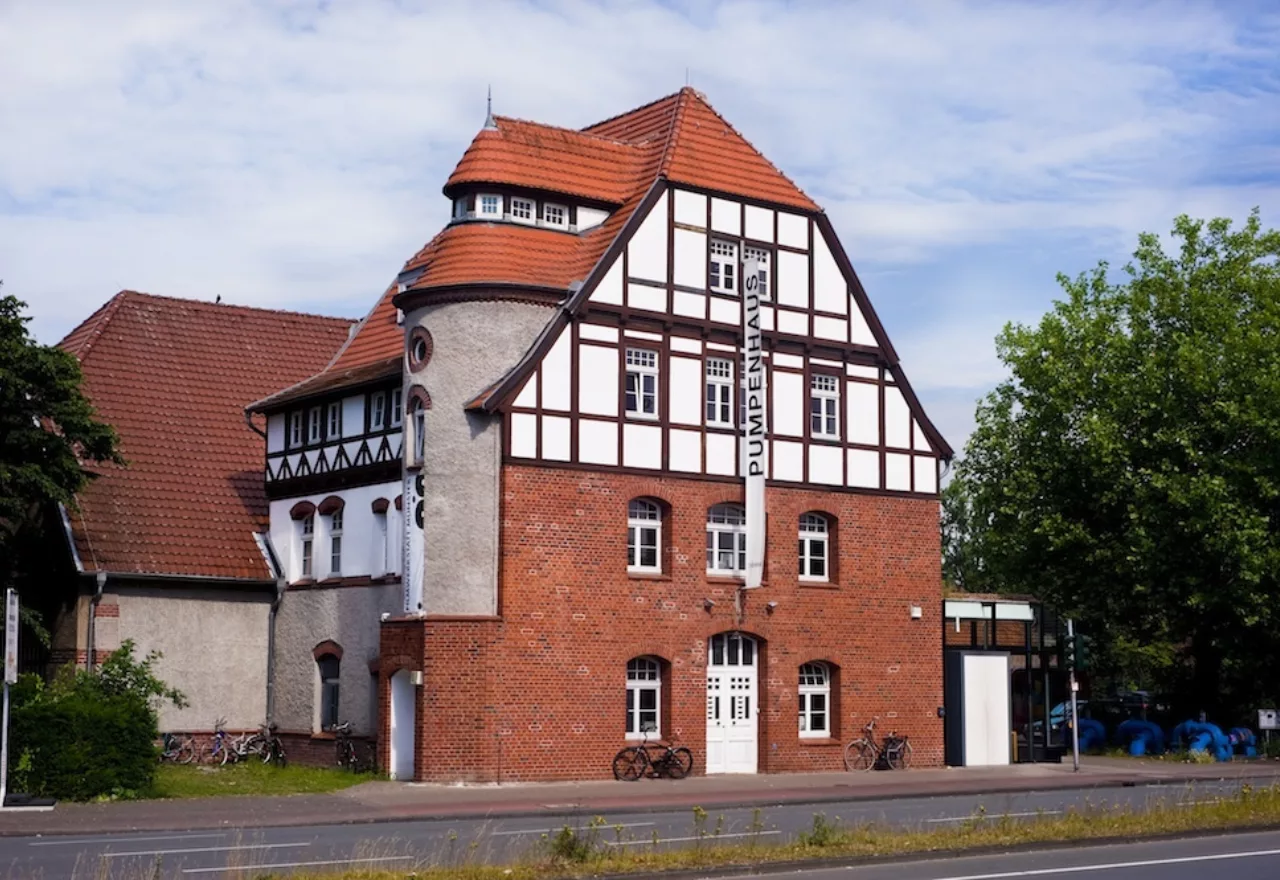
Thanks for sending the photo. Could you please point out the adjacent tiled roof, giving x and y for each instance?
(172, 376)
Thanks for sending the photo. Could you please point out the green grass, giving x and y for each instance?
(251, 777)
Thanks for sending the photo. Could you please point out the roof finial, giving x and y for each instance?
(489, 123)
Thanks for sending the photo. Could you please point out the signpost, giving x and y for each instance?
(754, 447)
(415, 542)
(10, 676)
(1075, 686)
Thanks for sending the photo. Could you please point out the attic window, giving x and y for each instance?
(555, 215)
(522, 210)
(490, 205)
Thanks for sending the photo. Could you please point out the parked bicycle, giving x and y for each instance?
(348, 755)
(864, 753)
(178, 748)
(273, 747)
(218, 750)
(654, 760)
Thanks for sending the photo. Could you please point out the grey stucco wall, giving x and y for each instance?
(215, 651)
(475, 343)
(348, 616)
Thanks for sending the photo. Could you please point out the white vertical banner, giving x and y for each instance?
(414, 541)
(754, 447)
(10, 637)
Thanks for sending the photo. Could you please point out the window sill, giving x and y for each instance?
(825, 742)
(831, 439)
(648, 576)
(817, 585)
(725, 579)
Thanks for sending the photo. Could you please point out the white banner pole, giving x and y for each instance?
(754, 449)
(10, 676)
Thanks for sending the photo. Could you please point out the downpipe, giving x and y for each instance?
(91, 639)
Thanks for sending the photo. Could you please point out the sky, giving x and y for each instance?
(291, 155)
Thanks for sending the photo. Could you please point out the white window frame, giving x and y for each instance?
(824, 406)
(529, 206)
(378, 411)
(726, 524)
(306, 550)
(381, 540)
(766, 260)
(644, 530)
(315, 425)
(641, 363)
(334, 421)
(459, 208)
(718, 399)
(482, 204)
(815, 699)
(644, 675)
(295, 429)
(419, 426)
(397, 407)
(722, 276)
(815, 533)
(335, 543)
(549, 207)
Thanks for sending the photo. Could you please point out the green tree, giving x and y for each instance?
(48, 431)
(1128, 471)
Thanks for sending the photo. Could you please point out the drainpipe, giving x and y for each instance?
(281, 583)
(101, 581)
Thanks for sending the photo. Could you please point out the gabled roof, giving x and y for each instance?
(172, 377)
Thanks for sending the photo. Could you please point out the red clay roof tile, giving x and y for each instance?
(173, 377)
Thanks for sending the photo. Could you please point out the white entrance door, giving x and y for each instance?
(731, 704)
(403, 722)
(986, 710)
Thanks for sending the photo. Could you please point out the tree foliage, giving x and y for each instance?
(1128, 470)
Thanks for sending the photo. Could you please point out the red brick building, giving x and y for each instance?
(579, 368)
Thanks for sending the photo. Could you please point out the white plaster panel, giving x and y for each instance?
(726, 216)
(524, 435)
(589, 218)
(825, 362)
(647, 250)
(555, 438)
(685, 450)
(686, 391)
(353, 416)
(830, 290)
(926, 473)
(919, 441)
(352, 448)
(641, 446)
(788, 403)
(293, 460)
(275, 433)
(897, 418)
(680, 343)
(642, 296)
(860, 331)
(691, 208)
(862, 404)
(788, 461)
(759, 224)
(831, 328)
(609, 290)
(766, 318)
(720, 346)
(722, 454)
(825, 465)
(897, 471)
(691, 258)
(359, 530)
(726, 311)
(555, 375)
(793, 230)
(597, 442)
(642, 334)
(862, 370)
(598, 332)
(794, 361)
(864, 469)
(692, 305)
(528, 396)
(796, 323)
(598, 380)
(793, 279)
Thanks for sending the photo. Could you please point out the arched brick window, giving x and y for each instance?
(726, 540)
(644, 697)
(815, 701)
(815, 547)
(644, 536)
(328, 671)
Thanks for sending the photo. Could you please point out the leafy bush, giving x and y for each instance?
(90, 734)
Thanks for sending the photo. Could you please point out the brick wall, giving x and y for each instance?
(538, 693)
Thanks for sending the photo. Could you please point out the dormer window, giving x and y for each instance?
(295, 429)
(489, 205)
(459, 208)
(335, 420)
(378, 411)
(555, 215)
(314, 425)
(522, 210)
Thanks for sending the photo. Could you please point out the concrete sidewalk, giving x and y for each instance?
(392, 801)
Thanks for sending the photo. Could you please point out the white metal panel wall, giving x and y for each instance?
(986, 710)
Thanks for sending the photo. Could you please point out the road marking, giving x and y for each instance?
(120, 839)
(995, 816)
(234, 870)
(710, 837)
(1116, 866)
(562, 827)
(203, 849)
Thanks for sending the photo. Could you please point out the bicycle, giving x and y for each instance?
(863, 753)
(897, 751)
(347, 756)
(180, 749)
(273, 747)
(655, 761)
(218, 749)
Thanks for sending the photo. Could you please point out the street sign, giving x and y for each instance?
(10, 637)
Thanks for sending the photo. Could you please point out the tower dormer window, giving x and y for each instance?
(490, 205)
(555, 215)
(522, 210)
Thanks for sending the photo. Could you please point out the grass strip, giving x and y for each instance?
(249, 777)
(591, 850)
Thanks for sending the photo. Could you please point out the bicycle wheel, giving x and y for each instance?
(859, 755)
(278, 755)
(900, 758)
(186, 751)
(680, 763)
(630, 764)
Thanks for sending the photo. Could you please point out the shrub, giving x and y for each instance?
(90, 734)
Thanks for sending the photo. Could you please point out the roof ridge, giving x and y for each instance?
(677, 119)
(645, 106)
(99, 319)
(227, 306)
(564, 128)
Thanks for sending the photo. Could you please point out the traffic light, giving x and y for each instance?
(1069, 652)
(1084, 648)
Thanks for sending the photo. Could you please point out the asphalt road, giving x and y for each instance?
(216, 853)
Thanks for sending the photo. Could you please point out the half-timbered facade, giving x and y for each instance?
(573, 354)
